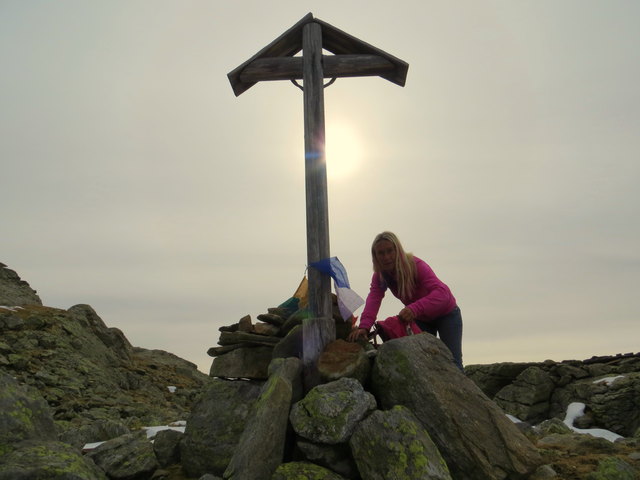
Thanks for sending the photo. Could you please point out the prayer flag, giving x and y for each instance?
(348, 300)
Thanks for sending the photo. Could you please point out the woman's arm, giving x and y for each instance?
(373, 302)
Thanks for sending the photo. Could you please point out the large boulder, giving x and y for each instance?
(527, 398)
(15, 291)
(245, 362)
(330, 412)
(216, 424)
(394, 444)
(336, 457)
(24, 415)
(471, 432)
(613, 401)
(494, 377)
(48, 460)
(126, 457)
(262, 444)
(304, 470)
(88, 372)
(343, 359)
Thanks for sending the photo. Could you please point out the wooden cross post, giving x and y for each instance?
(277, 61)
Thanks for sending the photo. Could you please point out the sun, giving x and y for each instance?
(343, 150)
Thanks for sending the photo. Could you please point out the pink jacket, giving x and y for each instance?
(431, 299)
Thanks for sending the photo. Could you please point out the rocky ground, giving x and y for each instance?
(84, 382)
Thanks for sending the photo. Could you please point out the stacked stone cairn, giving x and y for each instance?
(246, 348)
(401, 411)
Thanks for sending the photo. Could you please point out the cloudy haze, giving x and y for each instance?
(134, 180)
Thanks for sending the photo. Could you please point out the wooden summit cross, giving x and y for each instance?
(278, 61)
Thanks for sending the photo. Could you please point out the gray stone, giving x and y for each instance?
(24, 414)
(289, 368)
(14, 291)
(304, 470)
(330, 412)
(544, 472)
(166, 446)
(473, 435)
(528, 396)
(272, 318)
(290, 345)
(343, 359)
(394, 444)
(126, 457)
(613, 468)
(48, 460)
(232, 338)
(96, 431)
(248, 362)
(336, 458)
(215, 425)
(260, 449)
(494, 377)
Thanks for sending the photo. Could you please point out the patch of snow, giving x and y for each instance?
(178, 426)
(151, 433)
(608, 380)
(91, 446)
(514, 419)
(575, 410)
(172, 389)
(11, 309)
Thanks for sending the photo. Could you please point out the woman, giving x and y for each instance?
(428, 302)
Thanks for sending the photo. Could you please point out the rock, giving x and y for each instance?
(343, 359)
(304, 470)
(245, 324)
(166, 446)
(616, 406)
(24, 415)
(528, 396)
(551, 426)
(50, 460)
(261, 447)
(248, 362)
(266, 329)
(577, 443)
(330, 412)
(98, 431)
(215, 425)
(544, 472)
(289, 368)
(294, 320)
(232, 338)
(14, 291)
(612, 400)
(290, 345)
(112, 338)
(65, 357)
(473, 435)
(393, 444)
(494, 377)
(126, 457)
(336, 458)
(272, 318)
(611, 468)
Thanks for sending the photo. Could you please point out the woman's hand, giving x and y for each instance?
(407, 315)
(356, 334)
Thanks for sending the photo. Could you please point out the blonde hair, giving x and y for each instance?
(405, 266)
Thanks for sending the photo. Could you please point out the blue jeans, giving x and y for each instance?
(449, 328)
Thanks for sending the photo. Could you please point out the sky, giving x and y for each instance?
(133, 180)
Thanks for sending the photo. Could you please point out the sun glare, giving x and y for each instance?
(343, 150)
